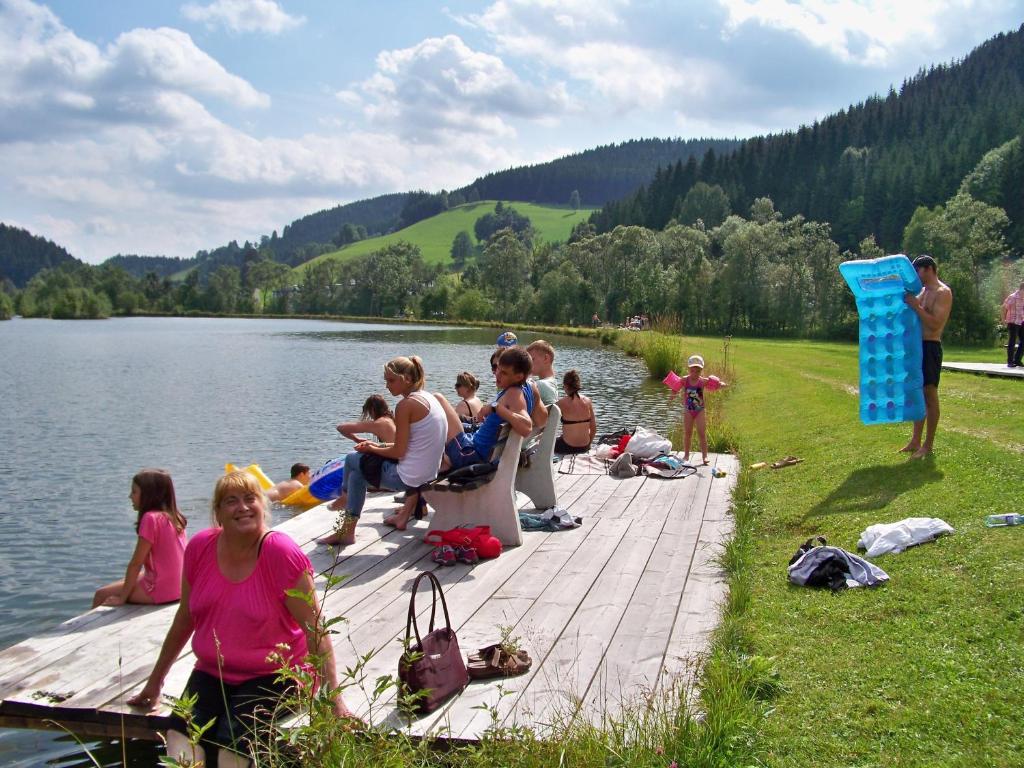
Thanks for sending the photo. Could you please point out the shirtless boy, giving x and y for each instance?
(284, 489)
(932, 305)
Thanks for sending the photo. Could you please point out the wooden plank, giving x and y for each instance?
(706, 588)
(622, 497)
(466, 588)
(568, 670)
(635, 655)
(543, 623)
(506, 607)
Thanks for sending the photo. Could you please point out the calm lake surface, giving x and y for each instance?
(86, 404)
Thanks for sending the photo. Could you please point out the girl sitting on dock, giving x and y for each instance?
(377, 420)
(159, 549)
(240, 605)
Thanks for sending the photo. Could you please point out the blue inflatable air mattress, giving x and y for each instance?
(891, 381)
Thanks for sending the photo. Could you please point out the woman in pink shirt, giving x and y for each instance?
(159, 550)
(236, 608)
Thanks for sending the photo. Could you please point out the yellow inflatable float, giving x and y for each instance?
(326, 481)
(253, 469)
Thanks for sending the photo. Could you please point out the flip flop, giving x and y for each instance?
(788, 461)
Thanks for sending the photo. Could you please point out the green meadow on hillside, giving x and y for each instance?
(926, 669)
(434, 235)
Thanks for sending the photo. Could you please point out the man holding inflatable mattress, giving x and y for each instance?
(932, 305)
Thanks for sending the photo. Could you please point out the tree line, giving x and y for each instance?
(757, 274)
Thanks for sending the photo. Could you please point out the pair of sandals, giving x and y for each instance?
(449, 555)
(495, 661)
(788, 461)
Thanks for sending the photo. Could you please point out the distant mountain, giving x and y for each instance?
(22, 254)
(599, 175)
(864, 169)
(139, 266)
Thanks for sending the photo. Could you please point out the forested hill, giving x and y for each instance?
(599, 175)
(140, 266)
(377, 214)
(22, 254)
(866, 168)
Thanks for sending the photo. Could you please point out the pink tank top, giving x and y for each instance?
(161, 576)
(248, 619)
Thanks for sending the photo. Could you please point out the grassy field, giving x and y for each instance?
(434, 235)
(926, 670)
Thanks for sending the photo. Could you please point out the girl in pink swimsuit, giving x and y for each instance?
(692, 391)
(153, 574)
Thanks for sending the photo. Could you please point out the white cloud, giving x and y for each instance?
(53, 83)
(596, 43)
(440, 88)
(865, 32)
(243, 16)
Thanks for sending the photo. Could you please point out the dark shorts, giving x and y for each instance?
(565, 449)
(461, 452)
(239, 709)
(932, 362)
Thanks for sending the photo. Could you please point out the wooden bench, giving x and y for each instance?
(488, 501)
(537, 479)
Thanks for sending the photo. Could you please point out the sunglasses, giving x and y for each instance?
(494, 367)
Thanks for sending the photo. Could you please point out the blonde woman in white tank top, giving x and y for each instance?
(410, 461)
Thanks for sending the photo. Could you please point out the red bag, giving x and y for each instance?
(621, 446)
(439, 671)
(478, 538)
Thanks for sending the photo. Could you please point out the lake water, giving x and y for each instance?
(86, 404)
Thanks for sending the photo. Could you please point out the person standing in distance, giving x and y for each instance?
(932, 305)
(1013, 316)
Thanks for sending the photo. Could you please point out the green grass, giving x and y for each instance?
(434, 235)
(925, 670)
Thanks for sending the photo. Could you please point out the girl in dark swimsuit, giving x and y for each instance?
(466, 385)
(577, 410)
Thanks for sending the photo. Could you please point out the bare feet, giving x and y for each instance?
(705, 461)
(921, 452)
(910, 447)
(343, 535)
(399, 520)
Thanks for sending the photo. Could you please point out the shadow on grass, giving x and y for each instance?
(871, 488)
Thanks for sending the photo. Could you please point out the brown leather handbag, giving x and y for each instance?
(437, 669)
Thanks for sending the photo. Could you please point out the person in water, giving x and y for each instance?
(284, 489)
(153, 574)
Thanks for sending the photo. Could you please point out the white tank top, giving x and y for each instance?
(427, 437)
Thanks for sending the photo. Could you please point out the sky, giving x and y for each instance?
(162, 128)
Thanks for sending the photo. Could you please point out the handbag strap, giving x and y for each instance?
(435, 591)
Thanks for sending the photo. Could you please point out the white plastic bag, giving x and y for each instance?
(604, 451)
(646, 444)
(882, 538)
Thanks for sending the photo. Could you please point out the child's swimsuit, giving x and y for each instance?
(695, 392)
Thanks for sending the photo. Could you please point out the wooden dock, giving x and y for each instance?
(608, 611)
(986, 369)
